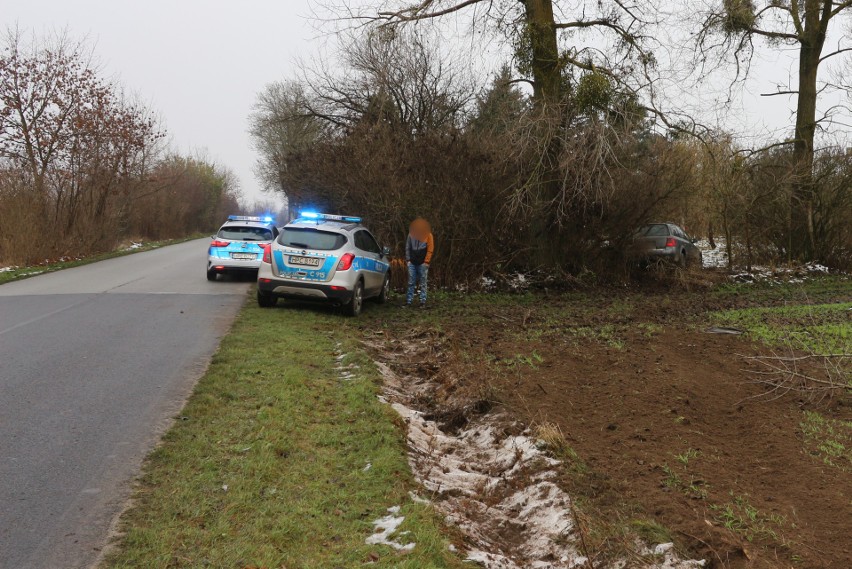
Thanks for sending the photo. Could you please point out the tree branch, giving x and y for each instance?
(833, 53)
(414, 13)
(779, 93)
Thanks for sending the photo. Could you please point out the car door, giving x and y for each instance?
(370, 251)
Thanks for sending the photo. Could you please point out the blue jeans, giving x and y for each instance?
(417, 273)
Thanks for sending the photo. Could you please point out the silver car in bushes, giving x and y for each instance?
(668, 242)
(331, 258)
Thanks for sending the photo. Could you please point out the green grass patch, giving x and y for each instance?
(19, 273)
(821, 329)
(268, 464)
(651, 532)
(742, 518)
(814, 290)
(828, 439)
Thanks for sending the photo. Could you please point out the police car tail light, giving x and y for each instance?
(267, 253)
(345, 262)
(218, 243)
(670, 242)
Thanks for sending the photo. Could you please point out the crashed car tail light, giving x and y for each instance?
(670, 242)
(267, 253)
(217, 243)
(345, 262)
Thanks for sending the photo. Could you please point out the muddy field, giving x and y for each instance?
(660, 428)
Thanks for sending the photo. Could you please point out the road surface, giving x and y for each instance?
(94, 363)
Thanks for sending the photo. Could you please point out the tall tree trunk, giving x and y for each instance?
(541, 27)
(802, 241)
(547, 96)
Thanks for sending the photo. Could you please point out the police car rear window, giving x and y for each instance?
(245, 233)
(311, 239)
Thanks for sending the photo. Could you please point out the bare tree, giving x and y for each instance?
(805, 25)
(281, 127)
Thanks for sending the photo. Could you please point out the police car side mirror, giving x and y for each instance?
(386, 251)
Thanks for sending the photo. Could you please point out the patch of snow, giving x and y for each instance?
(385, 528)
(368, 467)
(133, 246)
(418, 500)
(795, 274)
(713, 258)
(7, 269)
(518, 281)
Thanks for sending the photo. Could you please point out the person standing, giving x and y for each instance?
(419, 247)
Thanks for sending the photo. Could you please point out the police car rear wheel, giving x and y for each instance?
(265, 299)
(211, 275)
(354, 306)
(383, 295)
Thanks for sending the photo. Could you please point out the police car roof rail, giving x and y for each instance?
(264, 219)
(314, 216)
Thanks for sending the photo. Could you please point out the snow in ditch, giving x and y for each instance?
(490, 485)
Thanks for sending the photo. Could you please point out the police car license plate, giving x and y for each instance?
(305, 261)
(244, 256)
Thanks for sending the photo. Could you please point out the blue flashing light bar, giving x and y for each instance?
(265, 219)
(329, 217)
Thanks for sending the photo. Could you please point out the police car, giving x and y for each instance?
(324, 257)
(238, 245)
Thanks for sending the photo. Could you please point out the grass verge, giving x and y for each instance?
(821, 329)
(277, 461)
(18, 273)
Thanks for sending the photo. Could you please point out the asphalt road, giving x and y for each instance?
(95, 362)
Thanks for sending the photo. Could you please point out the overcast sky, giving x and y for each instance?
(200, 64)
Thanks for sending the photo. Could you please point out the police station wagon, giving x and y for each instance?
(331, 258)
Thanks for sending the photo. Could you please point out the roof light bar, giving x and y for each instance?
(329, 217)
(265, 219)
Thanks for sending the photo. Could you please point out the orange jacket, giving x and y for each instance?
(420, 244)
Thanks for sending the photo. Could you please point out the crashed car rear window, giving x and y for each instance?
(656, 230)
(311, 239)
(245, 233)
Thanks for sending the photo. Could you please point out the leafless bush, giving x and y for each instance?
(812, 376)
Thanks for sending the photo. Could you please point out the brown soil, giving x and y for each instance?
(630, 406)
(629, 412)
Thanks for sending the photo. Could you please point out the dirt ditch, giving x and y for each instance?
(488, 474)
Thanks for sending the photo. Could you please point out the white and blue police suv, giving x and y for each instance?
(330, 258)
(239, 244)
